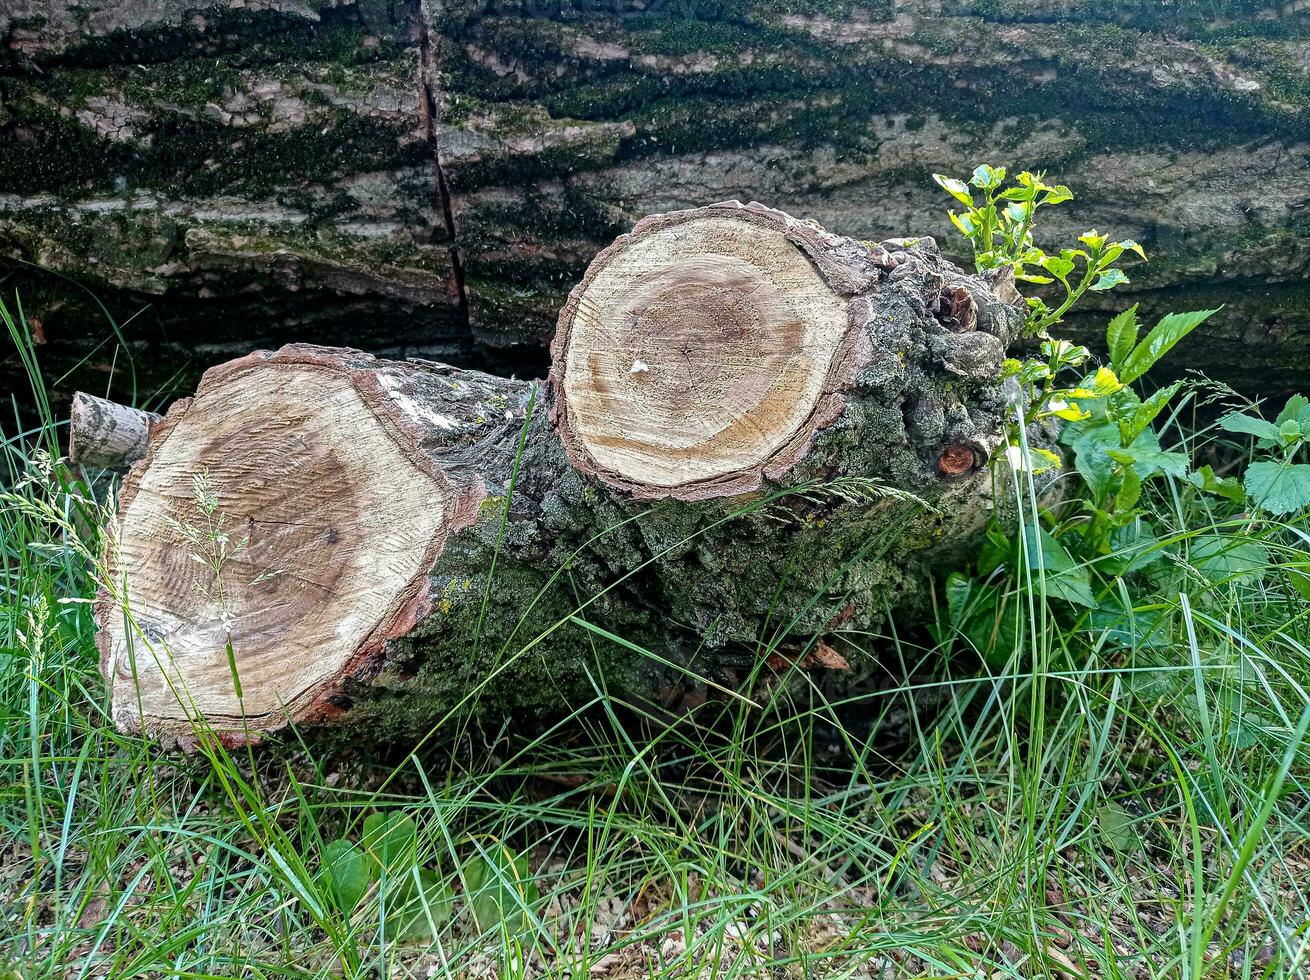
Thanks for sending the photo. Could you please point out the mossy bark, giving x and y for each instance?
(257, 177)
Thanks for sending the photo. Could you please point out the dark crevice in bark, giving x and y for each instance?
(430, 108)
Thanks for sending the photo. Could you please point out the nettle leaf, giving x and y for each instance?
(1163, 336)
(392, 840)
(1228, 488)
(1279, 488)
(1057, 266)
(1147, 411)
(1065, 578)
(1249, 425)
(1119, 828)
(1132, 629)
(1299, 577)
(958, 189)
(1130, 491)
(1121, 335)
(1227, 559)
(958, 589)
(346, 872)
(1133, 546)
(1094, 465)
(500, 890)
(1296, 410)
(1147, 462)
(1108, 280)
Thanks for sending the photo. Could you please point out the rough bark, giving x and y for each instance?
(408, 537)
(262, 173)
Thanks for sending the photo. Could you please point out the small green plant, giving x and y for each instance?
(998, 222)
(1276, 483)
(415, 902)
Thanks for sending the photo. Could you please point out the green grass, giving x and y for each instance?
(1076, 806)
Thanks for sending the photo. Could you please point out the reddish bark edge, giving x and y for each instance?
(411, 603)
(853, 353)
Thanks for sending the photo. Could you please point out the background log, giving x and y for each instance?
(382, 542)
(258, 176)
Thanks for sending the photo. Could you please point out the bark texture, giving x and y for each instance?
(106, 435)
(408, 537)
(433, 181)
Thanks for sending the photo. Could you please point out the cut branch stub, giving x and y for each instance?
(703, 351)
(106, 435)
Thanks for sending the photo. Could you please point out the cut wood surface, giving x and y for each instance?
(755, 434)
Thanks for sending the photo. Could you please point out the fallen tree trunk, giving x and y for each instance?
(754, 433)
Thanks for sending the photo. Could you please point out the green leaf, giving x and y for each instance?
(392, 840)
(1065, 578)
(500, 890)
(1277, 487)
(1121, 335)
(1296, 410)
(958, 189)
(1092, 239)
(1108, 280)
(1057, 266)
(958, 589)
(1228, 488)
(1227, 559)
(1119, 828)
(1133, 546)
(1132, 629)
(1130, 491)
(1147, 411)
(346, 872)
(1094, 465)
(1299, 577)
(987, 177)
(964, 223)
(1249, 425)
(1163, 336)
(419, 904)
(1147, 462)
(1057, 195)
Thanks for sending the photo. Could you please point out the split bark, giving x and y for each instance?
(754, 433)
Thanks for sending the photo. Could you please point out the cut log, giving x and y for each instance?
(105, 435)
(754, 433)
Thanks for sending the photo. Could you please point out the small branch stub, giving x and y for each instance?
(106, 435)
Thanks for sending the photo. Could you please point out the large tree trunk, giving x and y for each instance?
(755, 433)
(432, 183)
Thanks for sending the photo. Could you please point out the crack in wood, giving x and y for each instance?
(429, 109)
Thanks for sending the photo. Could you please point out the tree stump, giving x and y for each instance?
(754, 434)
